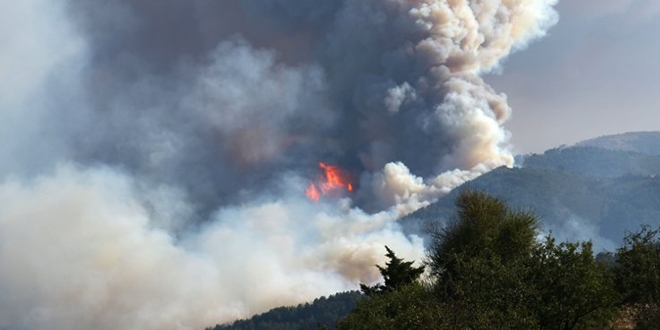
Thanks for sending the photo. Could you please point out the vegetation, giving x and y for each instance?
(322, 313)
(397, 274)
(573, 290)
(410, 307)
(488, 270)
(637, 275)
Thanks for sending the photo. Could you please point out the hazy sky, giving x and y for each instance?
(596, 73)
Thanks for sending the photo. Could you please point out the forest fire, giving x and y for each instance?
(333, 181)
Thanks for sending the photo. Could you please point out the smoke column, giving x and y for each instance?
(154, 154)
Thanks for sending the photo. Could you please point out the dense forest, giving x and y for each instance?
(488, 268)
(322, 313)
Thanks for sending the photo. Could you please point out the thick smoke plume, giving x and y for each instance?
(154, 154)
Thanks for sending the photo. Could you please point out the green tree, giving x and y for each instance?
(637, 273)
(484, 226)
(402, 302)
(478, 262)
(489, 271)
(638, 267)
(396, 274)
(572, 290)
(410, 307)
(492, 272)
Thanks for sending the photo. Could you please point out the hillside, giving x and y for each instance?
(588, 191)
(322, 313)
(595, 162)
(640, 142)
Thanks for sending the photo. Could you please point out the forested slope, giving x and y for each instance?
(322, 313)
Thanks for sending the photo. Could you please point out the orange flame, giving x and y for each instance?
(312, 192)
(335, 179)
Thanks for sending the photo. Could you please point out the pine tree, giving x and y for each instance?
(397, 273)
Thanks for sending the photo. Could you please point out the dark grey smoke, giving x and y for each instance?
(190, 93)
(360, 84)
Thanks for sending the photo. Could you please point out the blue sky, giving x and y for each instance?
(595, 73)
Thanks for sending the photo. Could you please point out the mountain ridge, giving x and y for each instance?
(588, 191)
(647, 142)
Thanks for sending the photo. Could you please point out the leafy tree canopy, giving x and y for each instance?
(637, 274)
(489, 271)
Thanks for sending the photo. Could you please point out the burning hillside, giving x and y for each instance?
(332, 182)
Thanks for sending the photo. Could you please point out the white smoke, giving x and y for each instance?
(574, 228)
(80, 251)
(465, 39)
(39, 65)
(150, 185)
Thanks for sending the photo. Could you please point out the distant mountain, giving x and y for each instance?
(322, 313)
(595, 162)
(596, 189)
(641, 142)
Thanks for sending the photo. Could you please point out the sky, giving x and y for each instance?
(595, 73)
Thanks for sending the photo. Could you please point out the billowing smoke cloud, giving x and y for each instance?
(80, 251)
(155, 153)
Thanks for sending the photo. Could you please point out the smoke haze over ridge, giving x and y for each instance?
(155, 153)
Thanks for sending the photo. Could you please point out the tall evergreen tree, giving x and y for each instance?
(396, 274)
